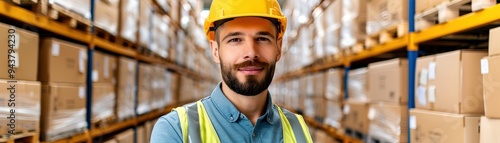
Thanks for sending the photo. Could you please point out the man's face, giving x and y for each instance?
(247, 50)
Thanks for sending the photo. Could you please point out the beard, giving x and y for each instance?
(252, 86)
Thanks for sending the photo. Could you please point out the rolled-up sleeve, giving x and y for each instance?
(167, 129)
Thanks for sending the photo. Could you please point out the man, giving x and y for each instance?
(245, 37)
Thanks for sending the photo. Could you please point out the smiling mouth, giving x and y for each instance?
(251, 70)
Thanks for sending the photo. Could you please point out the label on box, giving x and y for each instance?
(423, 76)
(432, 94)
(432, 71)
(81, 92)
(422, 99)
(82, 59)
(347, 109)
(413, 122)
(106, 67)
(371, 113)
(484, 66)
(55, 49)
(16, 59)
(95, 75)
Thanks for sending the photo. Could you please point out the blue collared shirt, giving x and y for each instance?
(231, 125)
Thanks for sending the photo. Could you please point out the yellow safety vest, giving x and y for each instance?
(197, 128)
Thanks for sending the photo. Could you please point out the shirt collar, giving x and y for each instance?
(232, 114)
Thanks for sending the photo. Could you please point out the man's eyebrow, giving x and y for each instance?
(265, 33)
(232, 34)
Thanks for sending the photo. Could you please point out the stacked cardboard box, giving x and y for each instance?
(126, 88)
(145, 91)
(490, 123)
(448, 98)
(129, 20)
(333, 23)
(383, 14)
(160, 30)
(353, 22)
(103, 88)
(356, 107)
(387, 81)
(333, 93)
(145, 22)
(80, 7)
(106, 15)
(63, 71)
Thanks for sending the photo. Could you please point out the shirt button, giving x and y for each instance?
(231, 118)
(253, 135)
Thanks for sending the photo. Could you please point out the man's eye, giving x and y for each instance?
(262, 39)
(234, 40)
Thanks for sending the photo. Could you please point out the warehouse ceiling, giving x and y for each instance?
(208, 2)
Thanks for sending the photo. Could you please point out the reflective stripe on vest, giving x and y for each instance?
(197, 128)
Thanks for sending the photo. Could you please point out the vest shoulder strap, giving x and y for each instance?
(196, 125)
(297, 125)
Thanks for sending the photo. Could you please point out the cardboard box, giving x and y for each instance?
(356, 116)
(323, 137)
(425, 65)
(388, 81)
(358, 85)
(314, 107)
(125, 137)
(388, 122)
(438, 127)
(491, 86)
(334, 82)
(25, 53)
(129, 20)
(141, 134)
(334, 114)
(384, 14)
(353, 28)
(319, 82)
(458, 82)
(145, 88)
(145, 19)
(106, 15)
(126, 88)
(104, 68)
(63, 110)
(103, 101)
(494, 44)
(489, 130)
(62, 62)
(21, 103)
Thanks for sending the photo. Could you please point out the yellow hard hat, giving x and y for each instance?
(225, 9)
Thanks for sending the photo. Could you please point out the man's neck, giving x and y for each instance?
(251, 106)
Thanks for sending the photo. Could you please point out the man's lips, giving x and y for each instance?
(251, 70)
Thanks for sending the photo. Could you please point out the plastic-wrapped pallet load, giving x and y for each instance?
(161, 95)
(145, 22)
(160, 28)
(319, 37)
(358, 85)
(333, 89)
(129, 19)
(333, 114)
(106, 15)
(383, 14)
(126, 87)
(163, 5)
(23, 110)
(319, 84)
(333, 23)
(389, 123)
(63, 72)
(80, 7)
(145, 89)
(439, 127)
(103, 102)
(353, 22)
(25, 52)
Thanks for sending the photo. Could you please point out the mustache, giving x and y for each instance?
(251, 63)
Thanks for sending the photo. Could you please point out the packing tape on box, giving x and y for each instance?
(371, 113)
(484, 66)
(432, 71)
(81, 92)
(82, 60)
(106, 67)
(95, 75)
(103, 107)
(423, 77)
(347, 109)
(55, 49)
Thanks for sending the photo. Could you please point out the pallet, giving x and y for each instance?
(355, 49)
(376, 140)
(67, 17)
(441, 13)
(355, 134)
(23, 136)
(104, 123)
(62, 135)
(23, 2)
(112, 38)
(386, 35)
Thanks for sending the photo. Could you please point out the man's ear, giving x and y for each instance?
(279, 46)
(215, 51)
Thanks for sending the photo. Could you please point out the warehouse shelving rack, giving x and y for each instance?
(411, 41)
(19, 14)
